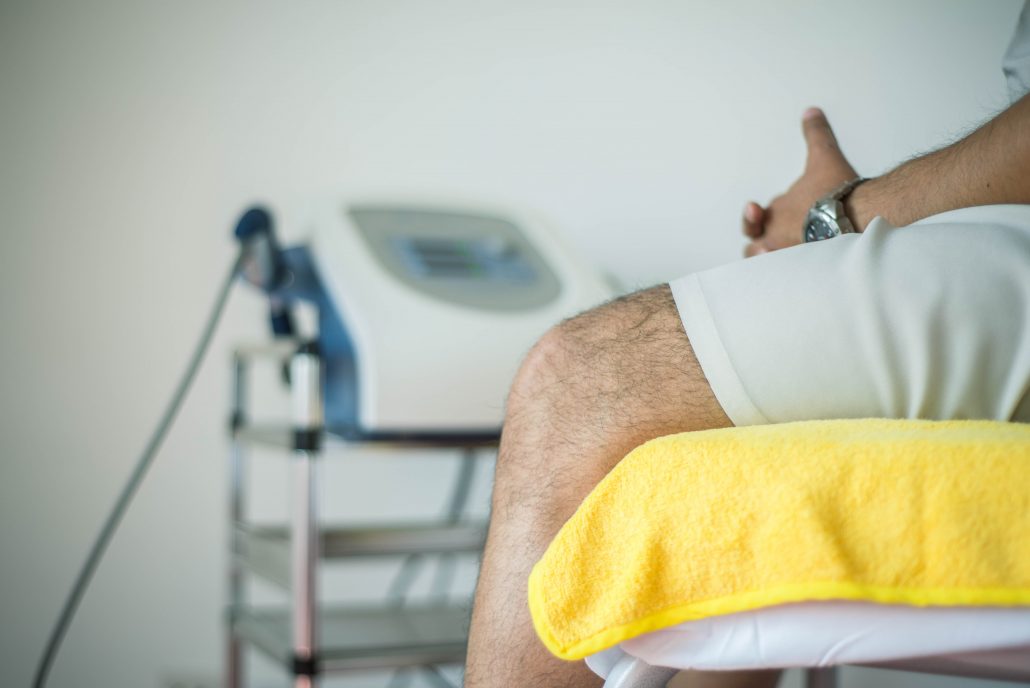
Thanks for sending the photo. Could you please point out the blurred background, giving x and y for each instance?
(133, 133)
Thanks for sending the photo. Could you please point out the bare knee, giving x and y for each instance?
(627, 363)
(552, 368)
(598, 384)
(535, 460)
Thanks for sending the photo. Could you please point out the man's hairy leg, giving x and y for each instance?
(591, 390)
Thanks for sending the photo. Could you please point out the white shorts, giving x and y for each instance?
(926, 321)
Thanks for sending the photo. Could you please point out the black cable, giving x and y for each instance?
(145, 459)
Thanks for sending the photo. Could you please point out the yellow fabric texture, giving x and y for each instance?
(707, 523)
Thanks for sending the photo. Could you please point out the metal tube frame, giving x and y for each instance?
(306, 391)
(237, 514)
(822, 677)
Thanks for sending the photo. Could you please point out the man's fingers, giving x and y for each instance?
(755, 248)
(819, 136)
(754, 220)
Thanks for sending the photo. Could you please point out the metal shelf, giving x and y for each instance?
(282, 437)
(305, 637)
(364, 638)
(265, 550)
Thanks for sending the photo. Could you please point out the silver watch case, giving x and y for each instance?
(826, 220)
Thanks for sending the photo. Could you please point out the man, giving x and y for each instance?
(922, 312)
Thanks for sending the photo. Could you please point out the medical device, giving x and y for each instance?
(424, 309)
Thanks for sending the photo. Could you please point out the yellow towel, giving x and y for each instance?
(707, 523)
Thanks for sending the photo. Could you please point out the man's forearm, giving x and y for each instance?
(989, 166)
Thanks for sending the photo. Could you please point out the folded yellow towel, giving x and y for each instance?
(707, 523)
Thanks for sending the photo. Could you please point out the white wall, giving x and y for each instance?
(132, 133)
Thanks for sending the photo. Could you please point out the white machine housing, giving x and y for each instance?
(441, 301)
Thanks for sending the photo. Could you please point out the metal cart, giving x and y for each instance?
(305, 638)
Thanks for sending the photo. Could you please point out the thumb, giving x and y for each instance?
(819, 136)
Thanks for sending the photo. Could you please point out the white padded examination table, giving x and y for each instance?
(988, 642)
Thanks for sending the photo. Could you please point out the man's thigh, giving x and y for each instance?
(927, 321)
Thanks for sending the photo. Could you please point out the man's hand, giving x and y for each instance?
(780, 224)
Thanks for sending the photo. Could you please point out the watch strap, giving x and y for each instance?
(842, 191)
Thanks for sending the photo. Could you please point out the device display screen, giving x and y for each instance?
(488, 258)
(467, 259)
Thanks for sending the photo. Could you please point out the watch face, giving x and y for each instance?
(818, 228)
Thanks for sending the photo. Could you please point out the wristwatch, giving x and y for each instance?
(827, 219)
